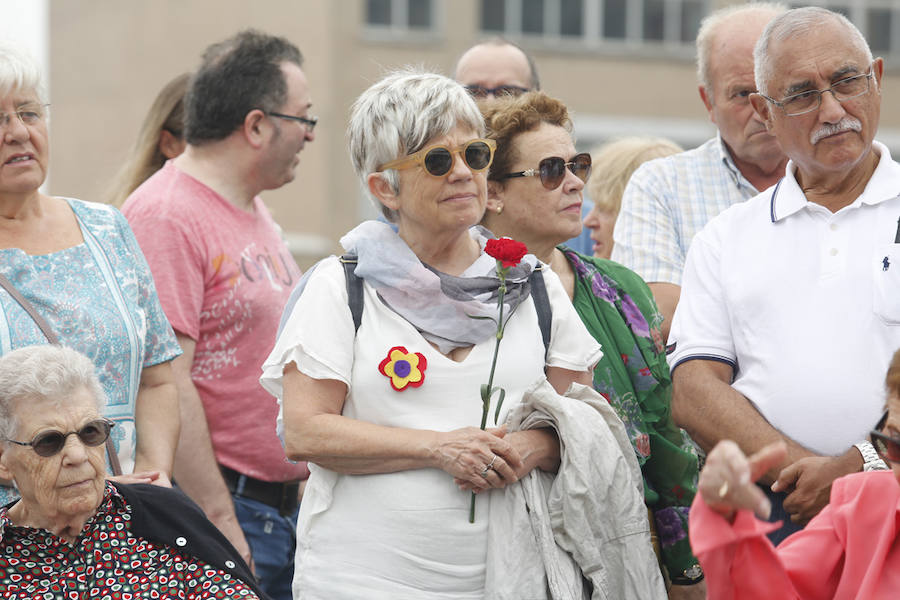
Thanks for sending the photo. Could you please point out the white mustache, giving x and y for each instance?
(845, 124)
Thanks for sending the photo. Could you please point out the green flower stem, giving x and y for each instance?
(486, 401)
(486, 398)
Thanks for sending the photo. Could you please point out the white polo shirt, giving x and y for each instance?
(804, 304)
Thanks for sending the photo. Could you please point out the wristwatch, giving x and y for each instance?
(871, 460)
(690, 576)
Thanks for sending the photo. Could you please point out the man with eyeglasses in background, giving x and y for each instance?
(668, 200)
(223, 274)
(790, 312)
(497, 68)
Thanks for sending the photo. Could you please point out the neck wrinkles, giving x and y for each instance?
(66, 527)
(836, 190)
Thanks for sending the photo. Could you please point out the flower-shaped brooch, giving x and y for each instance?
(404, 369)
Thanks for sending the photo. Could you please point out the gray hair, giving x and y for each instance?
(398, 115)
(43, 372)
(793, 23)
(19, 72)
(711, 23)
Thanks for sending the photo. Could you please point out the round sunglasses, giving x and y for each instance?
(437, 160)
(50, 442)
(552, 170)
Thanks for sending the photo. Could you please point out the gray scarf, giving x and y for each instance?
(437, 304)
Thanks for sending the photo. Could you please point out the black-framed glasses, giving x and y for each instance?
(808, 101)
(28, 114)
(552, 170)
(310, 122)
(478, 154)
(481, 92)
(50, 442)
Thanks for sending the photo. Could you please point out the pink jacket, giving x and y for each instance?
(848, 551)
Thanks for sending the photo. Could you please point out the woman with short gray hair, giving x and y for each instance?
(43, 372)
(386, 409)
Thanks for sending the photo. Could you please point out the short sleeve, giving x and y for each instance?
(645, 236)
(160, 344)
(176, 263)
(571, 345)
(318, 334)
(701, 327)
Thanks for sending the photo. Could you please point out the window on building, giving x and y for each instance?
(878, 20)
(593, 22)
(411, 15)
(493, 15)
(613, 19)
(571, 18)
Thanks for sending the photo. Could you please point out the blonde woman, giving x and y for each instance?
(161, 137)
(614, 162)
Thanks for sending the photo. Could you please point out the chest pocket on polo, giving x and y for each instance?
(886, 286)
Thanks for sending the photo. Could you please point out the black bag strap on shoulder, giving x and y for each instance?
(542, 306)
(538, 296)
(354, 289)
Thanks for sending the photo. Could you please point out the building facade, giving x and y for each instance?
(624, 67)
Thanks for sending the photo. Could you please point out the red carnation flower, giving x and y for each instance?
(507, 250)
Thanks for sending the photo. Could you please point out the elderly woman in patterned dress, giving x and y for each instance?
(74, 534)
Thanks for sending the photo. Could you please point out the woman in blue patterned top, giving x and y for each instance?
(80, 267)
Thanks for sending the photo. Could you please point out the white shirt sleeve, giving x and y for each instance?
(701, 327)
(571, 344)
(318, 335)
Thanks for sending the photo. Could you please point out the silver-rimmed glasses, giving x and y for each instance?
(28, 114)
(808, 101)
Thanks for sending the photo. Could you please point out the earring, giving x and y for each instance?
(499, 209)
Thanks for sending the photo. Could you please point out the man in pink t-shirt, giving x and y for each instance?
(223, 274)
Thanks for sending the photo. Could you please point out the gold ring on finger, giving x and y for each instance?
(723, 489)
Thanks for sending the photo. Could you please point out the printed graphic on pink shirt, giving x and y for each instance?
(232, 313)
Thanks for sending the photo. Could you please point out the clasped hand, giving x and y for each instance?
(807, 483)
(466, 453)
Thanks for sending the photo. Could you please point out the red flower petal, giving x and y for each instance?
(507, 250)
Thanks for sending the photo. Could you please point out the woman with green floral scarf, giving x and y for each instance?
(534, 195)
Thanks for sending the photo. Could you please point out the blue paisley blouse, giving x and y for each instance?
(99, 299)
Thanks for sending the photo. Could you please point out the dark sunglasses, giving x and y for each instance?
(438, 160)
(501, 90)
(48, 443)
(887, 447)
(552, 170)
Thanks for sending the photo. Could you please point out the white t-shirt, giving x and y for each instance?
(405, 534)
(803, 303)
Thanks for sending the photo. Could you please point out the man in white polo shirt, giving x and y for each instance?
(789, 312)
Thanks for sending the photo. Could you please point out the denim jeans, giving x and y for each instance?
(779, 514)
(273, 542)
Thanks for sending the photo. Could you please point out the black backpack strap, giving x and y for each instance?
(541, 305)
(354, 289)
